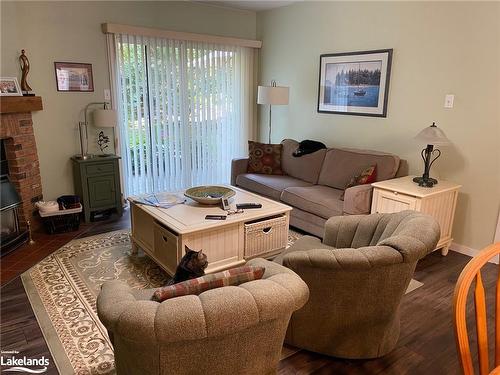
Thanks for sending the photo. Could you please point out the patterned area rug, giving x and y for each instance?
(63, 289)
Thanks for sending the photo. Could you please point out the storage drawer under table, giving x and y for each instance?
(101, 168)
(265, 236)
(166, 249)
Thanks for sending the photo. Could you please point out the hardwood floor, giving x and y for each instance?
(426, 345)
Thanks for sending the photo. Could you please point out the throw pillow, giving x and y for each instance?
(368, 176)
(264, 158)
(234, 276)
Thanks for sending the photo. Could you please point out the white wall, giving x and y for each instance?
(71, 31)
(439, 48)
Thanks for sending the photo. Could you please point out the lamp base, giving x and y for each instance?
(425, 181)
(84, 157)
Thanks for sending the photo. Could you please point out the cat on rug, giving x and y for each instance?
(191, 266)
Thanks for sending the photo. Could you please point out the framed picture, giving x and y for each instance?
(74, 77)
(9, 86)
(355, 83)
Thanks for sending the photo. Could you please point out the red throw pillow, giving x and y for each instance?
(264, 158)
(368, 176)
(234, 276)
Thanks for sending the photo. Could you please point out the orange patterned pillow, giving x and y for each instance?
(264, 158)
(368, 176)
(233, 276)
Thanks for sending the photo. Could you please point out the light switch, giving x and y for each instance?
(448, 100)
(107, 94)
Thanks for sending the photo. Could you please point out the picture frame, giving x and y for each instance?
(9, 86)
(355, 83)
(74, 77)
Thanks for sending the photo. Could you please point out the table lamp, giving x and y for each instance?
(105, 118)
(432, 136)
(272, 95)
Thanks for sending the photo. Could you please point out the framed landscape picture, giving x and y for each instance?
(355, 83)
(74, 76)
(9, 86)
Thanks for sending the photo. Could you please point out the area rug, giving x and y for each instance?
(63, 288)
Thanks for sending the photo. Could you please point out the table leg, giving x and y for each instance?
(445, 249)
(135, 247)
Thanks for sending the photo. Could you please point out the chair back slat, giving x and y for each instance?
(497, 320)
(481, 325)
(470, 273)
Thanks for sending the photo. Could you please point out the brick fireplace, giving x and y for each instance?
(16, 131)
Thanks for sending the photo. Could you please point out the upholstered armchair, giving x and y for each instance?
(229, 330)
(356, 278)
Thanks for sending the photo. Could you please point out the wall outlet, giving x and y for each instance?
(448, 100)
(107, 94)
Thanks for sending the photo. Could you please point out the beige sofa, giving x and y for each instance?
(356, 278)
(229, 330)
(313, 183)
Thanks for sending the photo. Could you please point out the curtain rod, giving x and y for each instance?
(114, 28)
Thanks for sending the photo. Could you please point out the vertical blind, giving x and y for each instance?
(185, 110)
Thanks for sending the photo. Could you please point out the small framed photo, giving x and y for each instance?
(355, 83)
(9, 86)
(74, 77)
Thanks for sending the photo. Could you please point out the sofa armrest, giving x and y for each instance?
(238, 166)
(358, 199)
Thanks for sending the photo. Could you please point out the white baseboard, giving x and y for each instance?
(466, 250)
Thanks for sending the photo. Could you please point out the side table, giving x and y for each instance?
(402, 193)
(97, 183)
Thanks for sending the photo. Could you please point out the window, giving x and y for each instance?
(184, 111)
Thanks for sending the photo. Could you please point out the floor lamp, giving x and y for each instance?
(272, 95)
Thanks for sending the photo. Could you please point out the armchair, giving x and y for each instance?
(356, 278)
(228, 330)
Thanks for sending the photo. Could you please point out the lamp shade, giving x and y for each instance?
(432, 135)
(104, 118)
(274, 95)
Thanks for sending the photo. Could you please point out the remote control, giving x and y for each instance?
(225, 204)
(248, 205)
(215, 217)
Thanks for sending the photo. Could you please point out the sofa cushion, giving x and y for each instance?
(264, 158)
(341, 164)
(319, 200)
(268, 185)
(233, 276)
(305, 167)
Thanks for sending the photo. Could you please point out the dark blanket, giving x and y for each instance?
(308, 147)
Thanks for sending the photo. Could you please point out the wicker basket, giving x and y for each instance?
(265, 236)
(62, 220)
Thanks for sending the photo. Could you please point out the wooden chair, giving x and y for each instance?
(473, 271)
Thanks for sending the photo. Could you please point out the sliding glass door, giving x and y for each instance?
(184, 111)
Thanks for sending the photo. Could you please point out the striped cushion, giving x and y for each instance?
(234, 276)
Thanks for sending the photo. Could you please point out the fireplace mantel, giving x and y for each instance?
(20, 104)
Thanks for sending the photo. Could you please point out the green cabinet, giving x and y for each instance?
(97, 183)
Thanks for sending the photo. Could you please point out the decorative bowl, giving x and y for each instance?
(210, 195)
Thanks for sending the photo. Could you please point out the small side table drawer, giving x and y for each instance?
(265, 236)
(97, 169)
(385, 201)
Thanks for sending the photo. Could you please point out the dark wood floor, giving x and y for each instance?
(426, 345)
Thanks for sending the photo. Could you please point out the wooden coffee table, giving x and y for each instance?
(163, 233)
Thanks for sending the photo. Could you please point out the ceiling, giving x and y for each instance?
(255, 6)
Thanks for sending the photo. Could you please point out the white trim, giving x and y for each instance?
(114, 28)
(497, 233)
(462, 249)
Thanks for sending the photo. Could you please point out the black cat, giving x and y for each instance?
(191, 266)
(308, 147)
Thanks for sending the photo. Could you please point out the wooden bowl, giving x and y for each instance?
(210, 195)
